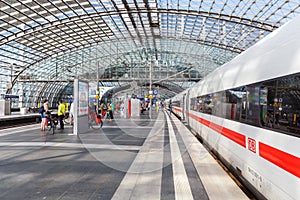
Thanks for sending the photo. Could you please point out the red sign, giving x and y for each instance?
(252, 145)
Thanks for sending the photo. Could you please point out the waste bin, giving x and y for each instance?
(23, 111)
(4, 107)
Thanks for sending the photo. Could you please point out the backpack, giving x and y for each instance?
(41, 110)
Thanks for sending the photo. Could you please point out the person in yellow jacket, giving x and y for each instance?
(61, 113)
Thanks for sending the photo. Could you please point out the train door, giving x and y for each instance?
(186, 105)
(183, 107)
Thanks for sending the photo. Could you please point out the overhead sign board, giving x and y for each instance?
(11, 96)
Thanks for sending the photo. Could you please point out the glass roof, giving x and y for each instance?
(45, 43)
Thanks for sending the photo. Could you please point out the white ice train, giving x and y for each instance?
(247, 111)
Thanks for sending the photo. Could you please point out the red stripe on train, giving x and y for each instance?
(232, 135)
(177, 109)
(280, 158)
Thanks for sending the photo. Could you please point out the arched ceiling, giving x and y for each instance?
(179, 42)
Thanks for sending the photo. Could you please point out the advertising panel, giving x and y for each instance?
(83, 89)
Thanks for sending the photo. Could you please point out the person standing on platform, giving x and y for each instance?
(44, 108)
(61, 113)
(112, 104)
(170, 107)
(110, 112)
(71, 113)
(102, 110)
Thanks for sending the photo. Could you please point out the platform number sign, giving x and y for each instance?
(252, 145)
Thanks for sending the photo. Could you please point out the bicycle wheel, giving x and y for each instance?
(53, 128)
(49, 126)
(66, 120)
(95, 125)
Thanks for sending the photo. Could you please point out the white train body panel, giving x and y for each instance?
(272, 181)
(246, 147)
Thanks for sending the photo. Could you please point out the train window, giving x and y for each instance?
(283, 108)
(237, 106)
(176, 103)
(207, 104)
(272, 104)
(194, 104)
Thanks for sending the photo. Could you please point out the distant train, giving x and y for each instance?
(248, 112)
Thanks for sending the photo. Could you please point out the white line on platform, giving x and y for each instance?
(216, 181)
(133, 127)
(143, 179)
(69, 145)
(181, 182)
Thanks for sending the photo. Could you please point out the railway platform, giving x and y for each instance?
(17, 119)
(149, 157)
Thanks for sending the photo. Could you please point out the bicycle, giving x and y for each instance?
(66, 118)
(51, 122)
(95, 121)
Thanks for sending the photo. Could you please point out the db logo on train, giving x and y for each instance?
(252, 145)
